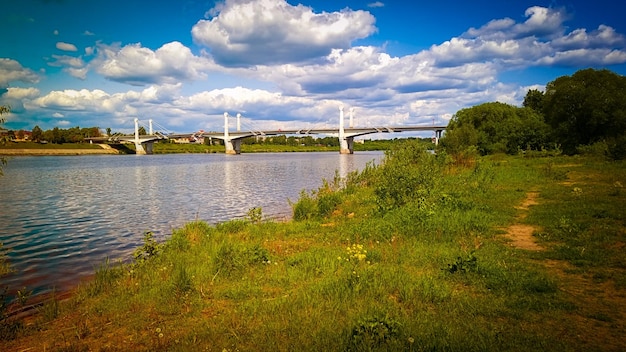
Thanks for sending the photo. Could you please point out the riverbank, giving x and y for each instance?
(438, 261)
(70, 149)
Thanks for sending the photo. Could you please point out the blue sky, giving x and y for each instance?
(289, 64)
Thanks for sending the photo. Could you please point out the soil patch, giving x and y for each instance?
(521, 235)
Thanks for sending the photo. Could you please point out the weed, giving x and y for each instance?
(305, 208)
(104, 278)
(255, 215)
(23, 296)
(5, 266)
(617, 189)
(374, 333)
(232, 226)
(553, 173)
(181, 280)
(462, 265)
(50, 308)
(149, 249)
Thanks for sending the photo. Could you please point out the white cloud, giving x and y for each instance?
(66, 46)
(137, 65)
(12, 71)
(264, 32)
(376, 4)
(540, 40)
(75, 66)
(21, 93)
(72, 99)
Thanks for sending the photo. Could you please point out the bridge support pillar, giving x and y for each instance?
(144, 148)
(233, 146)
(148, 147)
(346, 145)
(139, 150)
(437, 136)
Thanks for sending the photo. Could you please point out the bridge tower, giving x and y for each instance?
(233, 146)
(139, 145)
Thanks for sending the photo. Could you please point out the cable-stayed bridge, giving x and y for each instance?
(232, 139)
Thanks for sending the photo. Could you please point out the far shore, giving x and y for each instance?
(56, 151)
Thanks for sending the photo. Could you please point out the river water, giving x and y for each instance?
(62, 216)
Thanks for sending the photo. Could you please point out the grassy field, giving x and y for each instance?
(422, 253)
(33, 145)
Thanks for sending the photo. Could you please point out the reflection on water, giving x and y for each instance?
(62, 216)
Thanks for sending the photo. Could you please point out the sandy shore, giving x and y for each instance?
(15, 152)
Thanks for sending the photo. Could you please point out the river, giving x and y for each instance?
(62, 216)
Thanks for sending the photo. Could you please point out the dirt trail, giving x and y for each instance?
(598, 320)
(521, 235)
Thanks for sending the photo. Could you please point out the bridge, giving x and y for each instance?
(232, 139)
(143, 143)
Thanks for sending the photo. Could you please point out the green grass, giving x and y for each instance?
(33, 145)
(373, 266)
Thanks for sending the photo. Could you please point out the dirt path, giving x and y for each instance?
(521, 235)
(599, 317)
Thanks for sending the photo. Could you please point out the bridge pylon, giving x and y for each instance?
(143, 147)
(233, 145)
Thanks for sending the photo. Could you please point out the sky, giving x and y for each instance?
(289, 64)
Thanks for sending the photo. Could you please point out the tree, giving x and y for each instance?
(495, 128)
(108, 131)
(37, 134)
(534, 100)
(587, 107)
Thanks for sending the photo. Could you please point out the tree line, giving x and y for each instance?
(582, 112)
(57, 135)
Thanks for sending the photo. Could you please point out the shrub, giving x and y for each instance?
(305, 208)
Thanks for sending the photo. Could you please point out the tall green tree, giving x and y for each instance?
(495, 128)
(534, 100)
(37, 134)
(587, 107)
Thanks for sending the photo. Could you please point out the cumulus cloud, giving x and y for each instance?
(21, 93)
(469, 63)
(75, 66)
(72, 99)
(540, 40)
(12, 71)
(138, 65)
(264, 32)
(66, 46)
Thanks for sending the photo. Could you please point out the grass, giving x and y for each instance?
(33, 145)
(417, 265)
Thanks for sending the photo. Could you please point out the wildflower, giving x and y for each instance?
(411, 340)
